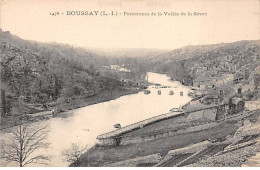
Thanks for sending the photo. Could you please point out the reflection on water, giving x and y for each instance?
(88, 122)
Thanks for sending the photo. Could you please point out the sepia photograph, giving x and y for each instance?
(130, 83)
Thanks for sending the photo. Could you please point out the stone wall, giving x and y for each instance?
(125, 140)
(139, 125)
(106, 142)
(150, 159)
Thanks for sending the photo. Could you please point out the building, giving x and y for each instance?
(207, 84)
(204, 82)
(210, 99)
(223, 79)
(236, 104)
(238, 88)
(238, 80)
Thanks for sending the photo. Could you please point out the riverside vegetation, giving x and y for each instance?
(240, 60)
(43, 76)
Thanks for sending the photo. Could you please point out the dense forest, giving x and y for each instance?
(39, 76)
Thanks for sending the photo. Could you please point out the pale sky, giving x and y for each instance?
(226, 21)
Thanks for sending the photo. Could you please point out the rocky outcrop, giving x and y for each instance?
(189, 149)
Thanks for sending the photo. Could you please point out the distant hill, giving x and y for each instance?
(131, 52)
(180, 63)
(51, 50)
(205, 50)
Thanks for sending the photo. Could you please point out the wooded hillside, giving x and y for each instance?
(42, 75)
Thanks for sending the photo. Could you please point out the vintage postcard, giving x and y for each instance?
(130, 83)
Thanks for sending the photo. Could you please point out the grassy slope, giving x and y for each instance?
(99, 156)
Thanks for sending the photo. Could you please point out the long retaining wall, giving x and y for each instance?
(146, 122)
(139, 125)
(124, 140)
(114, 137)
(160, 134)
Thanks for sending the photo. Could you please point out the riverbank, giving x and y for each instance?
(84, 124)
(66, 108)
(103, 156)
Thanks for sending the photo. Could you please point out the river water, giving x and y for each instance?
(88, 122)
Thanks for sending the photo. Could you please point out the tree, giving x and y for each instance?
(23, 143)
(74, 153)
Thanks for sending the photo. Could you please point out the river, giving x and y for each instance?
(86, 123)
